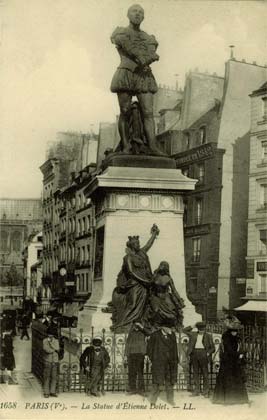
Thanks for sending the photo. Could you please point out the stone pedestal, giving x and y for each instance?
(128, 201)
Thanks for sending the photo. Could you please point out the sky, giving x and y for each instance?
(57, 61)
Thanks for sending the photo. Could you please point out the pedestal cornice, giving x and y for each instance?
(141, 178)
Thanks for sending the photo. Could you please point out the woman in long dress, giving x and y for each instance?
(230, 384)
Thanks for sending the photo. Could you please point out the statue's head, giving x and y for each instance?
(164, 267)
(136, 14)
(133, 243)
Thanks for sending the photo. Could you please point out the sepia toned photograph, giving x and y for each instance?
(133, 209)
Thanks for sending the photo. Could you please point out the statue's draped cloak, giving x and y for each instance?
(130, 296)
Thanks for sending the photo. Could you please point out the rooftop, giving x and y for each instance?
(20, 208)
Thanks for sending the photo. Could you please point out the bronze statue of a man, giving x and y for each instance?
(134, 77)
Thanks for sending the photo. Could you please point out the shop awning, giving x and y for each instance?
(253, 305)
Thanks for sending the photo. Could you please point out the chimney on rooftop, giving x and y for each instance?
(232, 51)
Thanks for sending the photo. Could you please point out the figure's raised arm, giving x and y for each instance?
(154, 233)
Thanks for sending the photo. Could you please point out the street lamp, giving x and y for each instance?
(2, 268)
(12, 267)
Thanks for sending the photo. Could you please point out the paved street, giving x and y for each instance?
(28, 393)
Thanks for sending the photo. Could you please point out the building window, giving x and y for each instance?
(263, 241)
(193, 284)
(82, 285)
(4, 241)
(264, 107)
(39, 253)
(185, 212)
(263, 283)
(264, 151)
(88, 222)
(187, 141)
(16, 241)
(202, 134)
(78, 282)
(87, 282)
(200, 173)
(88, 253)
(196, 249)
(263, 195)
(83, 254)
(199, 208)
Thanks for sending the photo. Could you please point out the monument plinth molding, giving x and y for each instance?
(128, 200)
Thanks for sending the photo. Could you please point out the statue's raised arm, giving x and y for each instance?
(154, 233)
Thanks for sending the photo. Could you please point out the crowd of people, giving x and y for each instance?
(161, 348)
(158, 345)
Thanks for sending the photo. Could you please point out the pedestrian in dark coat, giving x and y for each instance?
(8, 355)
(24, 327)
(200, 349)
(7, 360)
(230, 383)
(135, 350)
(93, 361)
(162, 351)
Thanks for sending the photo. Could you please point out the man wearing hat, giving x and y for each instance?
(93, 361)
(200, 349)
(51, 351)
(163, 354)
(135, 350)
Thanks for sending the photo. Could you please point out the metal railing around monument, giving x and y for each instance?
(71, 378)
